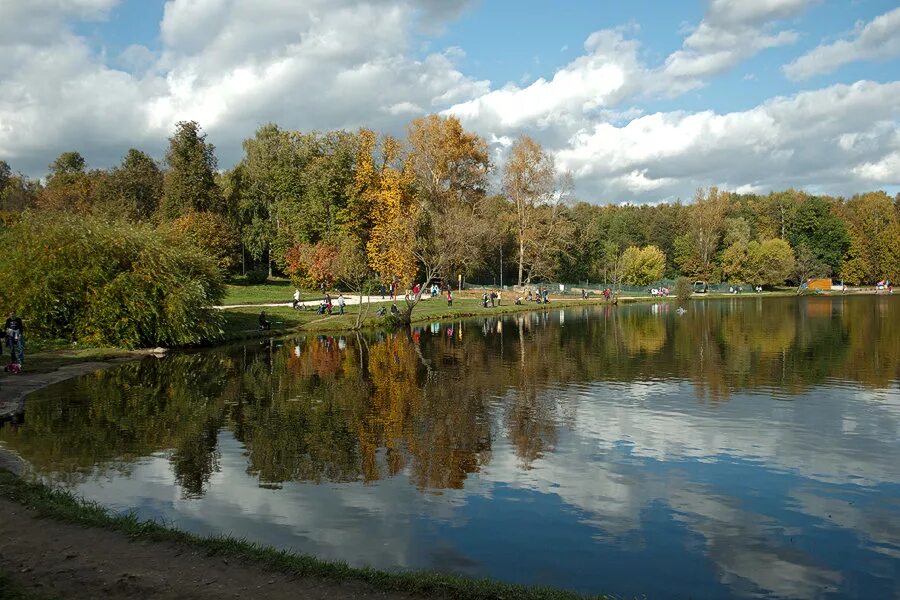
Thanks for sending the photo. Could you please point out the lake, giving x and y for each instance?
(749, 447)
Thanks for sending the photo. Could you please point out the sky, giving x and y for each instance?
(643, 101)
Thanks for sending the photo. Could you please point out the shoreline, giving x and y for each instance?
(120, 556)
(64, 364)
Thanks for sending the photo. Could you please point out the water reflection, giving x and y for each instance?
(745, 448)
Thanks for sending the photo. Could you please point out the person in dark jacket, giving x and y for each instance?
(14, 334)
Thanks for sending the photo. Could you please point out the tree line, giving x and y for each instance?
(357, 208)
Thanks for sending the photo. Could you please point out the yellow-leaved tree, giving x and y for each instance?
(386, 184)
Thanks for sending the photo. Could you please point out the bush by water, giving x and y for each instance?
(82, 278)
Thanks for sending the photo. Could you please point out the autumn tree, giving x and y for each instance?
(776, 262)
(212, 234)
(696, 249)
(17, 192)
(312, 265)
(874, 239)
(449, 168)
(190, 182)
(69, 186)
(542, 227)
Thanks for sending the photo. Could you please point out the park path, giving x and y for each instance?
(59, 560)
(351, 300)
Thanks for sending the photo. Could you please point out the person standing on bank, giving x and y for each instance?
(14, 332)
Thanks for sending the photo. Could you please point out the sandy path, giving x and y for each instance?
(56, 559)
(351, 300)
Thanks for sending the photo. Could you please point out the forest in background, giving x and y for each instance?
(355, 208)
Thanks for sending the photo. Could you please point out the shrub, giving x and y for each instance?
(683, 289)
(257, 276)
(82, 278)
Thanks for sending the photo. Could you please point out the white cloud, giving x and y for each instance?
(329, 64)
(876, 40)
(782, 142)
(730, 32)
(601, 77)
(315, 65)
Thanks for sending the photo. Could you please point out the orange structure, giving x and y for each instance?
(819, 284)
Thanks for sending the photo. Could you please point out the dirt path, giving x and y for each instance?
(55, 559)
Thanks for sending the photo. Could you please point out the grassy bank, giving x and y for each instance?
(62, 505)
(241, 322)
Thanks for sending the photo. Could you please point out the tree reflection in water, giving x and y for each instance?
(433, 401)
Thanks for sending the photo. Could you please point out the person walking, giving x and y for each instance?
(498, 297)
(341, 304)
(296, 298)
(449, 297)
(14, 332)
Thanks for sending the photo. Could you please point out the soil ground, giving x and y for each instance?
(45, 558)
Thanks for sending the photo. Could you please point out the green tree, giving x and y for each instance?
(139, 182)
(66, 164)
(642, 266)
(5, 175)
(822, 232)
(190, 182)
(808, 266)
(776, 262)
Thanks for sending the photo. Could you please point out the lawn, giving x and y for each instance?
(274, 290)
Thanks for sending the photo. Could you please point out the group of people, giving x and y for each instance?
(13, 335)
(493, 297)
(541, 296)
(326, 306)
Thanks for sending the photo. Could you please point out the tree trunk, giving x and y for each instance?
(521, 257)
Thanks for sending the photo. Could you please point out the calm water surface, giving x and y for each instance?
(748, 448)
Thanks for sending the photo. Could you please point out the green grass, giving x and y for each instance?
(62, 505)
(274, 290)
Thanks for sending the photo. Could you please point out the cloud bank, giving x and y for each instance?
(234, 65)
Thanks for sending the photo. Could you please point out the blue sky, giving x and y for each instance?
(640, 100)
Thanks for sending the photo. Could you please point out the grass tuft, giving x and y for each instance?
(64, 506)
